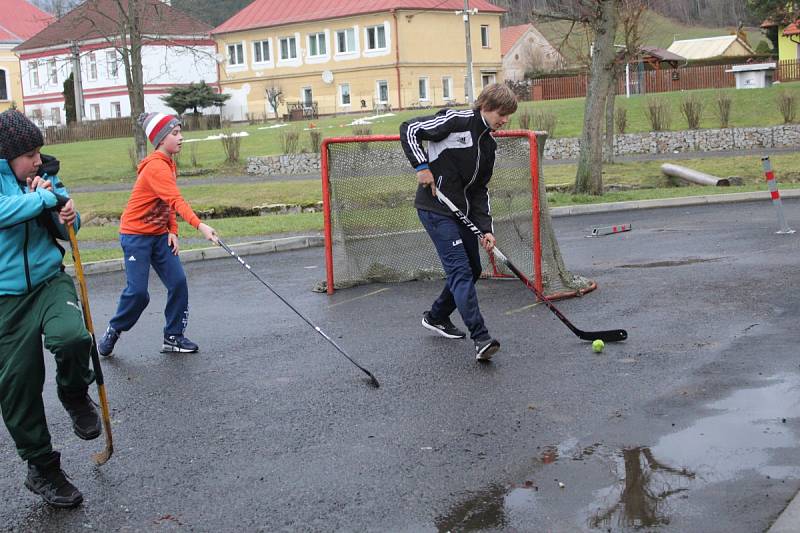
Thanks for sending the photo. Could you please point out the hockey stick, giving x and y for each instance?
(612, 335)
(373, 381)
(100, 458)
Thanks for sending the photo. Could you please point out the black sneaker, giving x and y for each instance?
(106, 344)
(46, 479)
(443, 327)
(80, 407)
(178, 343)
(485, 349)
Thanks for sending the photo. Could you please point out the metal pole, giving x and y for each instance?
(77, 81)
(470, 83)
(627, 79)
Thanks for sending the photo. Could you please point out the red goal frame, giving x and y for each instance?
(535, 201)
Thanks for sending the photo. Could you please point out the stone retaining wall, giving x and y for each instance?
(283, 164)
(663, 142)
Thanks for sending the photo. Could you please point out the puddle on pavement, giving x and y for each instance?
(739, 435)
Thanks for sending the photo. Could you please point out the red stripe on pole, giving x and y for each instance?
(775, 195)
(161, 123)
(770, 175)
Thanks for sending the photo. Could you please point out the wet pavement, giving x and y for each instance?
(689, 425)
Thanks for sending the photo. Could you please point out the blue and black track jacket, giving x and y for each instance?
(460, 155)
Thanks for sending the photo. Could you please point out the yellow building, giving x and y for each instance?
(19, 21)
(788, 39)
(338, 56)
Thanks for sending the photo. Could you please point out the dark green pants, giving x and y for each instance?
(52, 310)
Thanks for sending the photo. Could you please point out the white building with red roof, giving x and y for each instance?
(525, 49)
(334, 56)
(177, 50)
(19, 20)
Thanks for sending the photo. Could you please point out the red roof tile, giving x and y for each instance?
(510, 35)
(20, 20)
(90, 21)
(266, 13)
(792, 29)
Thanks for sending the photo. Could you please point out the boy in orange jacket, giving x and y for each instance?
(149, 236)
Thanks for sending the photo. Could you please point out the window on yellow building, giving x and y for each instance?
(376, 37)
(485, 36)
(383, 91)
(316, 44)
(3, 85)
(423, 88)
(447, 87)
(288, 48)
(345, 41)
(344, 94)
(261, 52)
(236, 54)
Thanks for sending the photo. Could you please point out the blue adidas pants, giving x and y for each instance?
(458, 249)
(142, 251)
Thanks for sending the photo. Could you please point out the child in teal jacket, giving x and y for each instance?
(38, 299)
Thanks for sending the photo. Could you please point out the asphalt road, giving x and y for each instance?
(689, 425)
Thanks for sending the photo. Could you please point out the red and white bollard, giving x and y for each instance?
(776, 196)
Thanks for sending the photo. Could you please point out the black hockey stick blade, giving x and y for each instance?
(613, 335)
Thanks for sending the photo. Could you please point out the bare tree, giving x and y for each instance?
(274, 97)
(599, 20)
(128, 26)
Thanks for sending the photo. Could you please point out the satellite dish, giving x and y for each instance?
(219, 58)
(327, 76)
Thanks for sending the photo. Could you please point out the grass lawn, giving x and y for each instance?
(109, 161)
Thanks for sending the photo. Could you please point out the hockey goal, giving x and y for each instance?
(372, 233)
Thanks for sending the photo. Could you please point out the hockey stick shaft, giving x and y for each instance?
(316, 328)
(100, 457)
(613, 335)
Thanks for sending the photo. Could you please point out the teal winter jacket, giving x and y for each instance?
(29, 253)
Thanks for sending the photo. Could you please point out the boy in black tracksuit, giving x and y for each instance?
(459, 161)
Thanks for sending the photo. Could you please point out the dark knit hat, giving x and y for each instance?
(18, 135)
(157, 126)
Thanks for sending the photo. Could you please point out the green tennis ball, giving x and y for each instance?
(597, 346)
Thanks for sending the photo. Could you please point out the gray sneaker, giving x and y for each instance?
(106, 343)
(484, 350)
